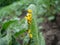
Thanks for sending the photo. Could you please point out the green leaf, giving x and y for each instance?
(40, 20)
(6, 24)
(18, 27)
(41, 38)
(6, 40)
(51, 18)
(33, 26)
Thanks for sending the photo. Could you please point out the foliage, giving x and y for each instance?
(14, 28)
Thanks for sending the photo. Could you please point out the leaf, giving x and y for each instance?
(33, 26)
(51, 18)
(26, 40)
(5, 40)
(6, 24)
(18, 27)
(40, 20)
(41, 38)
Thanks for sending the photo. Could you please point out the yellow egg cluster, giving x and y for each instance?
(29, 32)
(30, 35)
(29, 16)
(29, 11)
